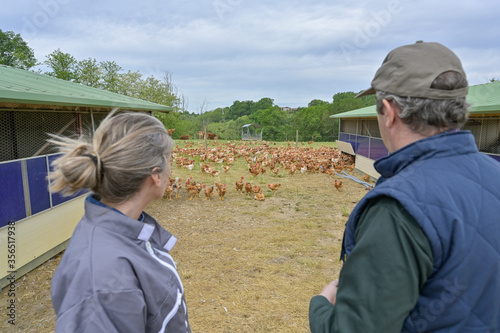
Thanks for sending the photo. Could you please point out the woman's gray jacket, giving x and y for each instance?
(117, 275)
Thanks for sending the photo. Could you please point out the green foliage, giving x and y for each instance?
(345, 101)
(89, 73)
(107, 75)
(110, 75)
(15, 52)
(183, 123)
(63, 65)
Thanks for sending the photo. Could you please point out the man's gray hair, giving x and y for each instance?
(425, 115)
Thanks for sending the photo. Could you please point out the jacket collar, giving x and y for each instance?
(148, 229)
(439, 145)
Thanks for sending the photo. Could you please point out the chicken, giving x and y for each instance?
(222, 191)
(193, 188)
(276, 171)
(248, 188)
(209, 191)
(259, 196)
(256, 189)
(177, 190)
(274, 187)
(337, 184)
(366, 178)
(193, 191)
(168, 192)
(226, 168)
(349, 167)
(239, 185)
(339, 167)
(254, 171)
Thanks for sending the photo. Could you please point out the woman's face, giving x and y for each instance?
(165, 176)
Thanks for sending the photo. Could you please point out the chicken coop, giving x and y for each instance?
(359, 134)
(35, 223)
(251, 132)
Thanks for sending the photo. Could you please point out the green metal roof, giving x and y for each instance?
(484, 99)
(24, 87)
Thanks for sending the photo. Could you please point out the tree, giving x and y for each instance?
(263, 103)
(89, 73)
(15, 52)
(63, 65)
(273, 120)
(316, 102)
(110, 75)
(239, 109)
(345, 101)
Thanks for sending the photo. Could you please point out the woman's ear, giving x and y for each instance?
(156, 176)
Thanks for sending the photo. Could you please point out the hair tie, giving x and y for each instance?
(96, 161)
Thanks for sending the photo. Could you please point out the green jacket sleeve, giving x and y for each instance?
(380, 281)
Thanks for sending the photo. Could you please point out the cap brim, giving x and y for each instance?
(367, 92)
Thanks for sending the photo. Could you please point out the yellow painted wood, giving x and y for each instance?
(40, 233)
(365, 164)
(345, 147)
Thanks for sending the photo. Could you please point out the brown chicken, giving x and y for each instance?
(366, 178)
(256, 189)
(274, 187)
(193, 191)
(222, 191)
(239, 185)
(349, 167)
(168, 192)
(259, 196)
(337, 184)
(248, 188)
(209, 191)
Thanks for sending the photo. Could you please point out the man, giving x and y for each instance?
(421, 250)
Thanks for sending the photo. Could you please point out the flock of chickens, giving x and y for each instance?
(261, 158)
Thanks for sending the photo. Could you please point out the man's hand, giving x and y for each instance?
(330, 291)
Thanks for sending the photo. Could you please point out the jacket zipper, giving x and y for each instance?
(178, 301)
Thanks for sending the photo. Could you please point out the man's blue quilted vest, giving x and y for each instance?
(453, 192)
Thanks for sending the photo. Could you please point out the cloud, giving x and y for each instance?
(225, 50)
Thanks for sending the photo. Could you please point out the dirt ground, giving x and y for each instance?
(246, 265)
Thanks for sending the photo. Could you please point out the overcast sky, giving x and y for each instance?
(292, 51)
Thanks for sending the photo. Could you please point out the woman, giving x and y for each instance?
(116, 274)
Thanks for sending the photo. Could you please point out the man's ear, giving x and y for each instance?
(390, 114)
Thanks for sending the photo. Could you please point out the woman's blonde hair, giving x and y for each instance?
(127, 148)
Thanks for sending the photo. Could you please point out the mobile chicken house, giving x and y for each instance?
(359, 134)
(34, 223)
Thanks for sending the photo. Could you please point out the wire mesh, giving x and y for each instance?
(486, 131)
(23, 134)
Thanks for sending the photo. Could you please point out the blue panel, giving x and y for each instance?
(38, 184)
(495, 157)
(377, 149)
(12, 207)
(344, 137)
(353, 141)
(363, 146)
(57, 198)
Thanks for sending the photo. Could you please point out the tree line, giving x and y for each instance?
(313, 122)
